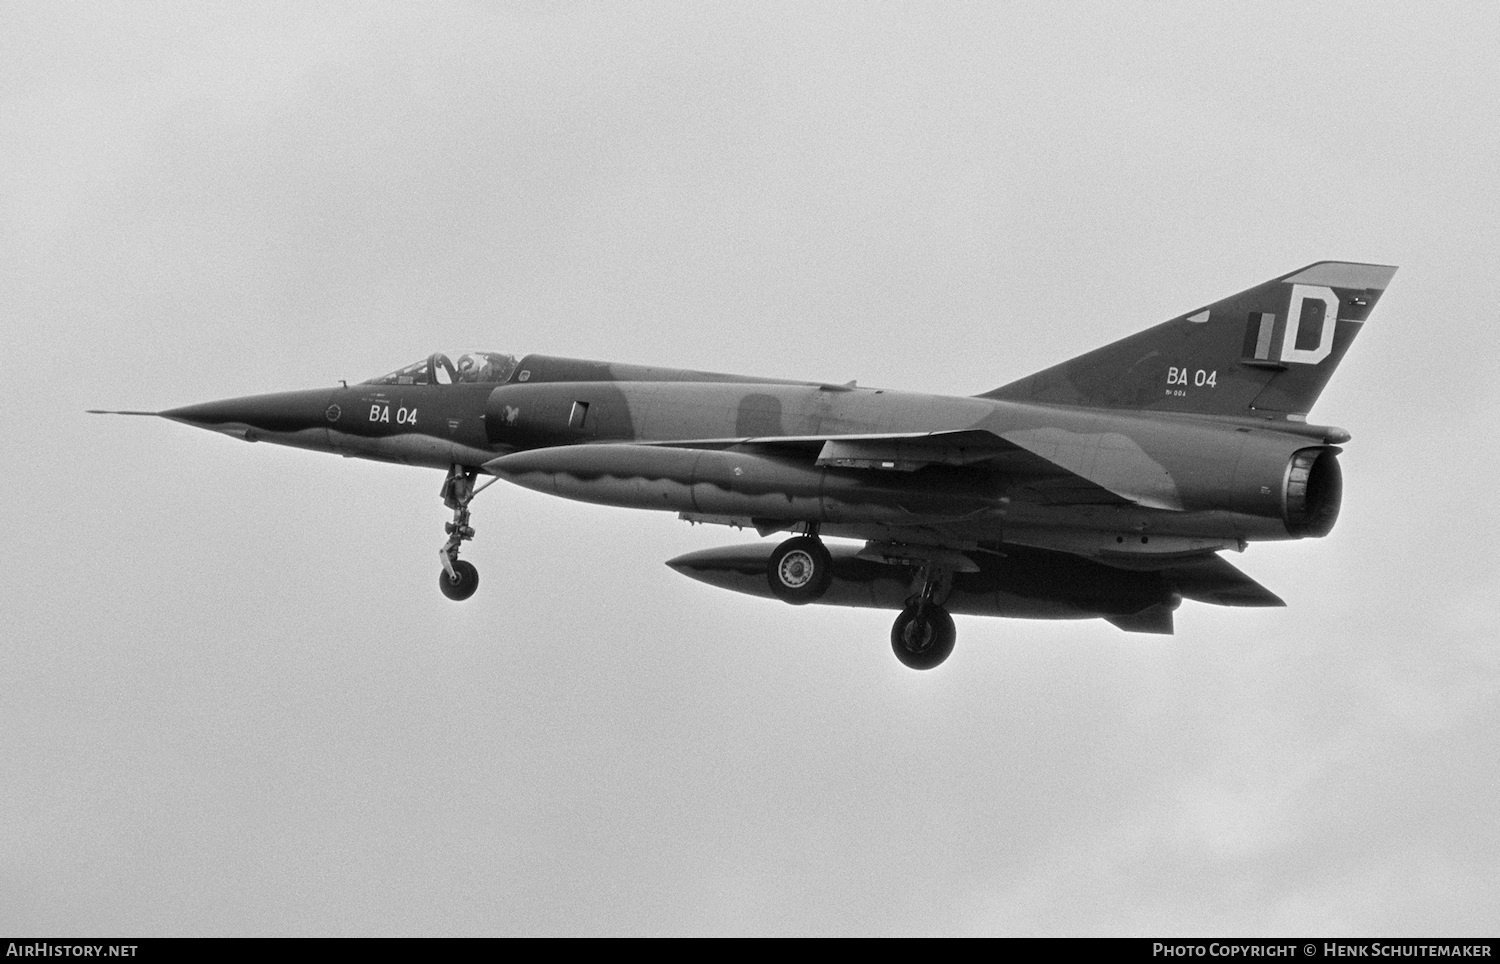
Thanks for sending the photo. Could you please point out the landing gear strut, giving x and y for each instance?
(459, 579)
(923, 635)
(800, 570)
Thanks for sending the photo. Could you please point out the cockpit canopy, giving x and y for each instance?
(452, 368)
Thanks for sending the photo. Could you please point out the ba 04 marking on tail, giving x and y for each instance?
(1198, 378)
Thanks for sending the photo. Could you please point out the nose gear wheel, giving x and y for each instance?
(465, 583)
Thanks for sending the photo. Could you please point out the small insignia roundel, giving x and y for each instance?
(332, 413)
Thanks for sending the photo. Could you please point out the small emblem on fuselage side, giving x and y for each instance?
(333, 413)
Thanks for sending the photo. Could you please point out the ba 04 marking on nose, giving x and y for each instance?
(404, 415)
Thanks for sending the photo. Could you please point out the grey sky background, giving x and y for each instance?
(232, 700)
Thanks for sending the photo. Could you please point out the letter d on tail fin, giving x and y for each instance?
(1263, 352)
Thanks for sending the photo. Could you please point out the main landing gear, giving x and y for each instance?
(924, 634)
(800, 570)
(459, 579)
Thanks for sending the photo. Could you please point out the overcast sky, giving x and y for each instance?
(232, 700)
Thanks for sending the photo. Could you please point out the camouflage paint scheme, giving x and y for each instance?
(1101, 487)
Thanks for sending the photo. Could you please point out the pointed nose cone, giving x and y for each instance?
(275, 417)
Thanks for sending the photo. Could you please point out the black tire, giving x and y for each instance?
(800, 570)
(922, 643)
(463, 587)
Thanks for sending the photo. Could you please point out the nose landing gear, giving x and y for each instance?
(459, 579)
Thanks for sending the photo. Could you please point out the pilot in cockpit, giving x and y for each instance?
(485, 367)
(472, 367)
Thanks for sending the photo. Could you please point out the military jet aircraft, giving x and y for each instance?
(1102, 487)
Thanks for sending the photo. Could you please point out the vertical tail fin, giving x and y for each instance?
(1264, 352)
